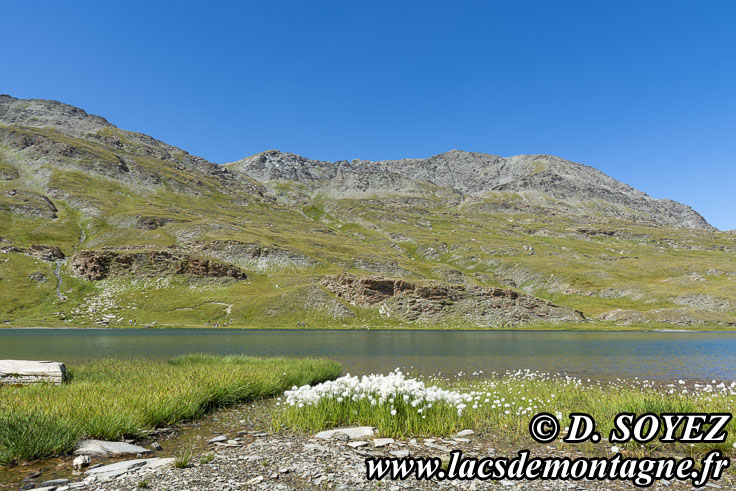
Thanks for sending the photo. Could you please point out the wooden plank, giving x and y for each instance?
(22, 372)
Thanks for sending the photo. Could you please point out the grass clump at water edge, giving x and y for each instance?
(113, 399)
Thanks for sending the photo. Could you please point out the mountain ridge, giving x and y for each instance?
(103, 226)
(473, 174)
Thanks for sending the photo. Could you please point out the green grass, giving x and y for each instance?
(114, 399)
(183, 459)
(206, 458)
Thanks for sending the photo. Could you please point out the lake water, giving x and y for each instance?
(654, 355)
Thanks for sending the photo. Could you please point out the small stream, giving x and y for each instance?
(57, 273)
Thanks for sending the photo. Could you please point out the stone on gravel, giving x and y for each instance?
(54, 482)
(353, 433)
(438, 447)
(400, 453)
(464, 433)
(382, 442)
(255, 480)
(156, 447)
(315, 447)
(101, 448)
(340, 437)
(357, 443)
(218, 439)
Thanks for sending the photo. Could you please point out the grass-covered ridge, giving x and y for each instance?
(112, 399)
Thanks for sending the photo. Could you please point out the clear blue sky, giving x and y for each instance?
(644, 91)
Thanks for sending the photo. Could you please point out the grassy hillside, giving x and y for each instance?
(117, 192)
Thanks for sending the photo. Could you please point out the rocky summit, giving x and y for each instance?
(541, 181)
(102, 226)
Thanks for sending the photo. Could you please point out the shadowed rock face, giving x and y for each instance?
(27, 203)
(539, 179)
(46, 253)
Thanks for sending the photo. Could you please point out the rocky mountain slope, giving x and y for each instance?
(104, 226)
(543, 180)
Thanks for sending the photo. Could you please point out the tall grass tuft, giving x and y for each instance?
(114, 399)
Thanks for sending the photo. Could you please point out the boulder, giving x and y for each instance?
(101, 448)
(218, 439)
(81, 461)
(21, 372)
(117, 469)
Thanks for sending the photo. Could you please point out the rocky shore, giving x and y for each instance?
(263, 461)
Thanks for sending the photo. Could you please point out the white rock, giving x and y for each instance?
(255, 480)
(117, 469)
(81, 461)
(218, 439)
(15, 372)
(461, 440)
(53, 483)
(354, 433)
(124, 466)
(464, 433)
(357, 443)
(101, 448)
(382, 442)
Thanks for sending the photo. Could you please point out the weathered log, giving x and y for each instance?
(22, 372)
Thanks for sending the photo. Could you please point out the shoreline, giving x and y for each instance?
(259, 457)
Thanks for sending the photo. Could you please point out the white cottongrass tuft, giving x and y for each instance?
(378, 389)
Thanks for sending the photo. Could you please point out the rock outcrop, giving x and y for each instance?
(481, 306)
(27, 203)
(97, 265)
(253, 255)
(44, 252)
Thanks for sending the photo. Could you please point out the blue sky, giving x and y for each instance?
(644, 91)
